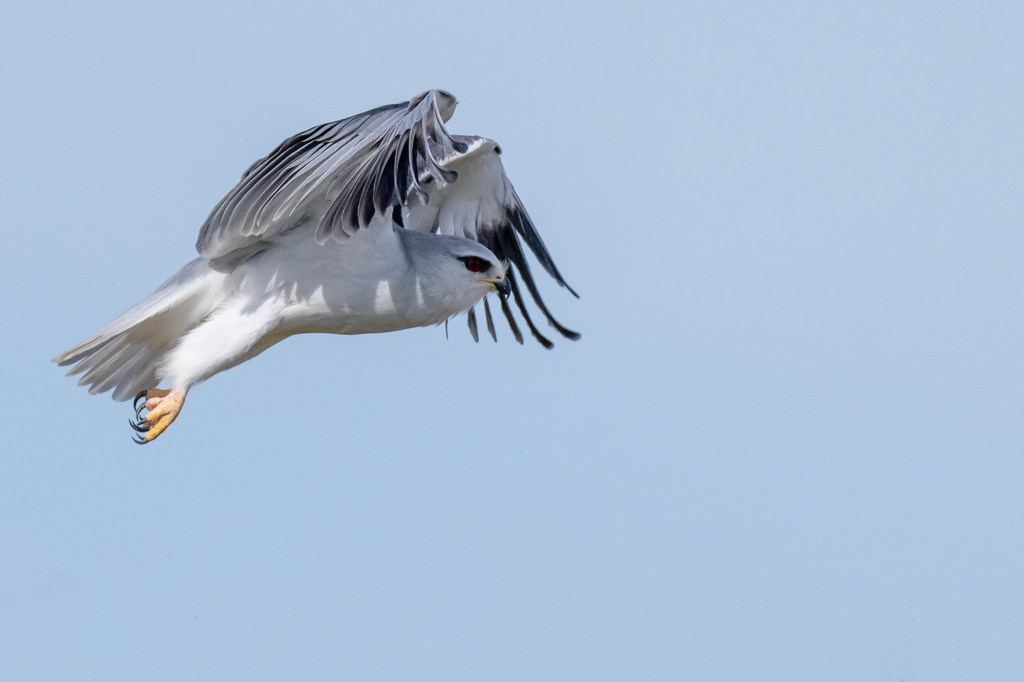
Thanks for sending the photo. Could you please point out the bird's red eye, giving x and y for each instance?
(474, 264)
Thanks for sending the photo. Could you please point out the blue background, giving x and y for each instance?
(788, 446)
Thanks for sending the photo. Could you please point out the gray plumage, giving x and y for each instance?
(373, 223)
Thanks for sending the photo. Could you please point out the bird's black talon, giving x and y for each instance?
(138, 410)
(139, 441)
(138, 426)
(138, 397)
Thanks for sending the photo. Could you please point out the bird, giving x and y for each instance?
(373, 223)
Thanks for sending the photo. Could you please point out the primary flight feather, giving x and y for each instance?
(374, 223)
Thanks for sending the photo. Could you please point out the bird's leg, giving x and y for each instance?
(162, 409)
(233, 334)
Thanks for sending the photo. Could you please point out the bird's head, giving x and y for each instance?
(454, 272)
(481, 268)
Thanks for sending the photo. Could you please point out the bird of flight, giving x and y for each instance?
(374, 223)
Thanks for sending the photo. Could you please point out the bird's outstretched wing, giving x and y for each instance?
(338, 174)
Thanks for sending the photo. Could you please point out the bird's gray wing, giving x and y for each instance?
(337, 176)
(481, 204)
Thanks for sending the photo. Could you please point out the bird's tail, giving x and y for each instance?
(126, 354)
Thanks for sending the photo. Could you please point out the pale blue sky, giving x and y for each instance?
(788, 446)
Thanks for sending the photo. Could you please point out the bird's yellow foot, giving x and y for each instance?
(162, 406)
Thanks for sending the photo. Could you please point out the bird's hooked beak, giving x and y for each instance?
(502, 287)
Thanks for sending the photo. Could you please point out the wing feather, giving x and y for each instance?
(341, 174)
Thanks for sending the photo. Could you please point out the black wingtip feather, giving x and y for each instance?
(520, 220)
(504, 244)
(490, 321)
(543, 340)
(510, 246)
(511, 320)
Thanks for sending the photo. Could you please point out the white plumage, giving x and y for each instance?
(379, 222)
